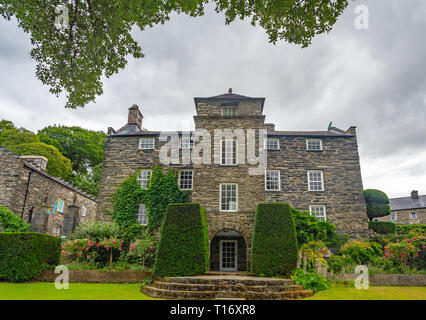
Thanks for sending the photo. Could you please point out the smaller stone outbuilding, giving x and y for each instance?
(49, 204)
(407, 210)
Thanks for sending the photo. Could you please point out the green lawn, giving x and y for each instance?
(373, 293)
(76, 291)
(108, 291)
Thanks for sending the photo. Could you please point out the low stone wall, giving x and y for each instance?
(417, 280)
(94, 276)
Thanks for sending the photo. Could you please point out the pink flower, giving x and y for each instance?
(344, 256)
(98, 245)
(416, 256)
(408, 241)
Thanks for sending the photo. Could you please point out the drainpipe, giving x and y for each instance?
(26, 193)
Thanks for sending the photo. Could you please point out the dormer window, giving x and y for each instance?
(229, 111)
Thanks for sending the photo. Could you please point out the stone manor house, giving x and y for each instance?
(314, 171)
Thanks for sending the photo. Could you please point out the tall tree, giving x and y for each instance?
(85, 148)
(58, 165)
(76, 42)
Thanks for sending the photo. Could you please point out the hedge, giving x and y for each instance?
(403, 229)
(377, 203)
(25, 255)
(274, 245)
(382, 227)
(183, 248)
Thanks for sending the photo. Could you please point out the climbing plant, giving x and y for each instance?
(126, 202)
(162, 190)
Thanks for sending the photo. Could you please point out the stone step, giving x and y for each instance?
(241, 287)
(229, 280)
(209, 295)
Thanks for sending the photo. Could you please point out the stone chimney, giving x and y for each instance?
(135, 116)
(414, 194)
(270, 127)
(39, 162)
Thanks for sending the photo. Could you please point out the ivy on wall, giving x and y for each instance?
(126, 201)
(162, 190)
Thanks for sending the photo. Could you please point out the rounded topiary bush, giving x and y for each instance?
(377, 203)
(274, 245)
(183, 248)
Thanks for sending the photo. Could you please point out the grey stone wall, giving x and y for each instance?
(30, 193)
(339, 161)
(404, 217)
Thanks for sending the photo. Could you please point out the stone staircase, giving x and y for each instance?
(209, 287)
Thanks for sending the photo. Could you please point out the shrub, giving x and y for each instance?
(361, 252)
(311, 280)
(411, 229)
(143, 251)
(89, 251)
(407, 252)
(382, 227)
(314, 251)
(309, 228)
(183, 248)
(377, 203)
(336, 263)
(274, 245)
(10, 222)
(24, 256)
(95, 231)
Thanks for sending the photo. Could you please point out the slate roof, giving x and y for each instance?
(407, 203)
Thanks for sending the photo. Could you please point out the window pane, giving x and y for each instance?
(315, 181)
(185, 180)
(318, 212)
(228, 195)
(229, 152)
(144, 178)
(147, 143)
(314, 144)
(272, 144)
(142, 215)
(229, 111)
(272, 180)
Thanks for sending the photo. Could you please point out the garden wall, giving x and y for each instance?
(94, 276)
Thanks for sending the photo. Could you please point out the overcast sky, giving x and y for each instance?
(374, 79)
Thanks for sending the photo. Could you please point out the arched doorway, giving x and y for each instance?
(228, 252)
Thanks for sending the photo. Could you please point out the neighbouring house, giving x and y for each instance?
(407, 210)
(315, 171)
(49, 204)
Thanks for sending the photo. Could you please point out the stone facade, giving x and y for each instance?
(407, 210)
(338, 160)
(30, 193)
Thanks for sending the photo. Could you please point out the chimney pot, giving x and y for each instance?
(230, 90)
(414, 194)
